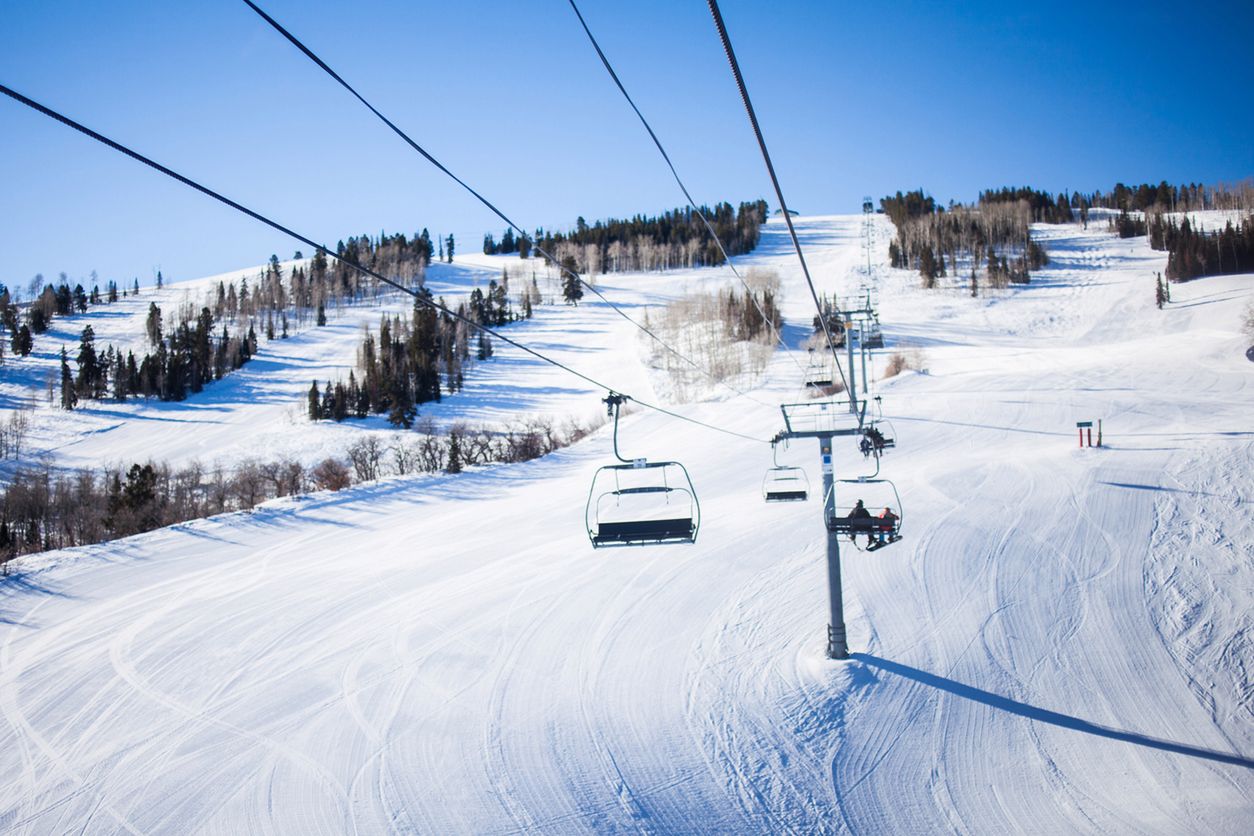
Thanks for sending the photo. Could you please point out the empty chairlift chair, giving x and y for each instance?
(640, 502)
(784, 484)
(819, 376)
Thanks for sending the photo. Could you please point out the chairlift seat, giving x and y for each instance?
(863, 525)
(786, 496)
(633, 532)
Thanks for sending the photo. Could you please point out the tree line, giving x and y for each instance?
(183, 363)
(418, 359)
(200, 347)
(673, 239)
(50, 301)
(1193, 253)
(1142, 197)
(42, 508)
(991, 240)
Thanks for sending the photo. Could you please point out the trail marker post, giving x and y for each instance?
(1087, 427)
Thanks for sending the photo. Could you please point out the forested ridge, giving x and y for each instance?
(677, 238)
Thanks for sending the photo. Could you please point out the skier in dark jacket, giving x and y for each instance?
(860, 512)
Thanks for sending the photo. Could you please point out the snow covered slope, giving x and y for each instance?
(1061, 642)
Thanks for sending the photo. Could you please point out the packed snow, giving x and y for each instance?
(1061, 642)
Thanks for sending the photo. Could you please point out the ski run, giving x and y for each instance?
(1063, 640)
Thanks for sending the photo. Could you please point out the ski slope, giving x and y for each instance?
(1061, 642)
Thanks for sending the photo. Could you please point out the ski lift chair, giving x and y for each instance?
(879, 530)
(783, 483)
(786, 484)
(872, 336)
(877, 436)
(819, 376)
(639, 502)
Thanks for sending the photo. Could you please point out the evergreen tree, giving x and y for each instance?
(403, 411)
(454, 464)
(89, 371)
(23, 342)
(322, 315)
(38, 319)
(68, 396)
(152, 324)
(339, 404)
(572, 289)
(448, 249)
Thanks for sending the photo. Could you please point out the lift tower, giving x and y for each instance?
(827, 421)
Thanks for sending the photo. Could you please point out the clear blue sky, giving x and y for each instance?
(854, 98)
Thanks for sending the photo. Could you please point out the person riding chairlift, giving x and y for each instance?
(890, 521)
(860, 512)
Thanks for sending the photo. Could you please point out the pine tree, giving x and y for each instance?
(37, 318)
(403, 411)
(572, 289)
(68, 396)
(153, 324)
(339, 404)
(454, 464)
(89, 370)
(322, 315)
(448, 249)
(23, 342)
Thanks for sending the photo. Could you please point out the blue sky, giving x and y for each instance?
(854, 99)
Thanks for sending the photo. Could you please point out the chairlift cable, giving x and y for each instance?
(779, 337)
(430, 303)
(487, 203)
(779, 193)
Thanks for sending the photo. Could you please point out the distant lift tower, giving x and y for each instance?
(868, 221)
